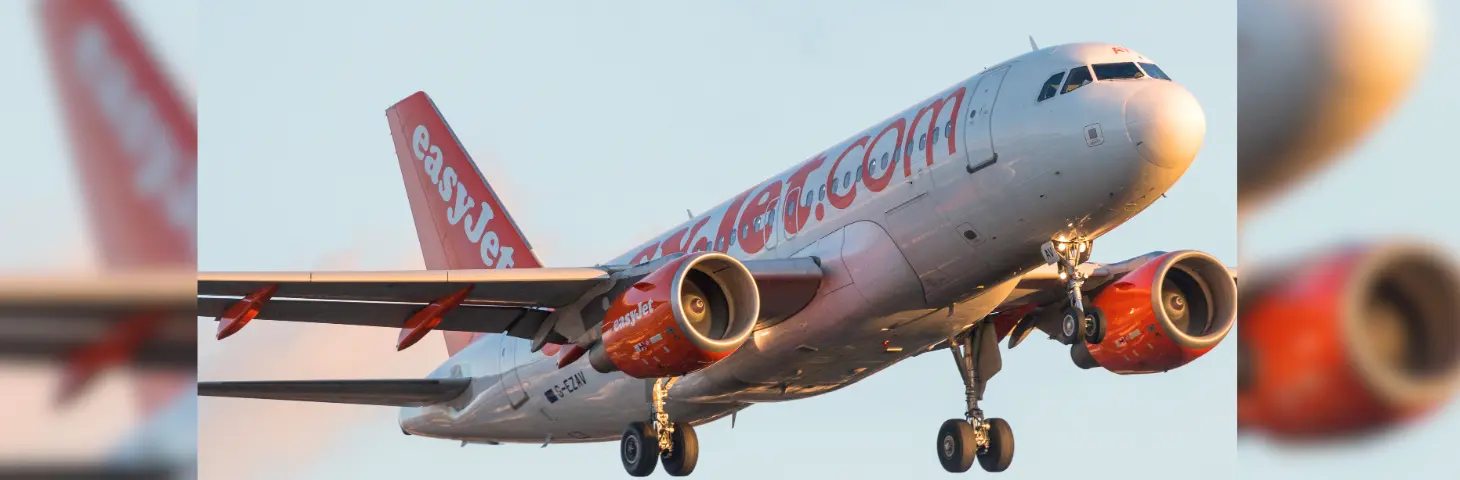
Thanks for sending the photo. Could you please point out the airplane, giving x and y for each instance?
(134, 143)
(963, 221)
(1383, 315)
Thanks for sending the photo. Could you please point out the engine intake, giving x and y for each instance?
(1379, 329)
(1162, 315)
(686, 315)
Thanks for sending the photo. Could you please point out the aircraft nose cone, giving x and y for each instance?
(1166, 124)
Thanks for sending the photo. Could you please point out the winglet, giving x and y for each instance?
(1032, 45)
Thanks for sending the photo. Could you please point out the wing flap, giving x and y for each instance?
(397, 393)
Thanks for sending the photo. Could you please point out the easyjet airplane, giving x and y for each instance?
(134, 143)
(962, 221)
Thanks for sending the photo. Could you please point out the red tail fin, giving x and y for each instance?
(134, 143)
(459, 219)
(135, 146)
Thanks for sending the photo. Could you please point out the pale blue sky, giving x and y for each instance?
(1400, 181)
(603, 123)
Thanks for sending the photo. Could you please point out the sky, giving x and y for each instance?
(1399, 181)
(600, 124)
(39, 197)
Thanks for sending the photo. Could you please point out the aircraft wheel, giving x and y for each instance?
(639, 449)
(1000, 452)
(1095, 325)
(1072, 327)
(956, 446)
(681, 459)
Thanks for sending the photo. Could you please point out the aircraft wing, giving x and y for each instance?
(48, 318)
(518, 302)
(398, 393)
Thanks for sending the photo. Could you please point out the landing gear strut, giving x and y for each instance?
(990, 440)
(1079, 322)
(673, 442)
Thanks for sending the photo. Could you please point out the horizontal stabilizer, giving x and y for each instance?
(398, 393)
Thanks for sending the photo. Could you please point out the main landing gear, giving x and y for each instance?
(644, 444)
(989, 440)
(1079, 322)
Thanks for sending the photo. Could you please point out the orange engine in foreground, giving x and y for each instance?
(688, 314)
(1162, 315)
(1352, 341)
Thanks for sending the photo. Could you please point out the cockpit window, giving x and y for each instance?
(1155, 71)
(1051, 86)
(1079, 77)
(1116, 71)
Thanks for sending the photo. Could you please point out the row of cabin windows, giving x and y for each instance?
(845, 180)
(1081, 76)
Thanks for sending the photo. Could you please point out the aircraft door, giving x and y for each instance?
(511, 382)
(978, 122)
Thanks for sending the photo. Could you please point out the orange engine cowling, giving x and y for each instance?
(1162, 315)
(689, 313)
(1350, 342)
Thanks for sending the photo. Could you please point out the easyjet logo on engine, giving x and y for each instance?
(459, 202)
(629, 319)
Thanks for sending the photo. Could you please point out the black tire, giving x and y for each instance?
(1095, 333)
(1000, 452)
(956, 447)
(1068, 335)
(681, 459)
(639, 449)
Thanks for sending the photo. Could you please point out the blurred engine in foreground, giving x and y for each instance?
(1355, 339)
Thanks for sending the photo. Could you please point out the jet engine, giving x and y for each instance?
(1352, 341)
(1162, 315)
(684, 316)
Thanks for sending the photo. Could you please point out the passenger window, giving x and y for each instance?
(847, 180)
(821, 193)
(922, 141)
(1079, 77)
(884, 162)
(835, 184)
(809, 197)
(935, 135)
(859, 173)
(948, 129)
(1051, 86)
(1155, 71)
(1117, 71)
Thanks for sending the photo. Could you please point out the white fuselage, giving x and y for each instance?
(914, 248)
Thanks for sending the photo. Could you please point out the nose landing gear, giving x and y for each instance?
(990, 440)
(675, 443)
(1080, 322)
